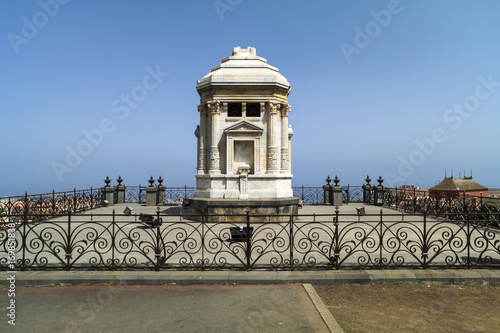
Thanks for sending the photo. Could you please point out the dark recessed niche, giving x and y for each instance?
(234, 109)
(253, 109)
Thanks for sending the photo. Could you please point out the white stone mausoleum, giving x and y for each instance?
(244, 139)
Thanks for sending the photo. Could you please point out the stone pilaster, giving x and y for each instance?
(214, 108)
(202, 150)
(285, 156)
(290, 134)
(272, 138)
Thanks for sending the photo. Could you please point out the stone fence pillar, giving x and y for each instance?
(108, 193)
(151, 193)
(379, 192)
(337, 195)
(120, 191)
(161, 191)
(328, 192)
(367, 188)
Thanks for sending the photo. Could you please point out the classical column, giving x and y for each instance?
(214, 138)
(290, 134)
(272, 138)
(285, 156)
(201, 130)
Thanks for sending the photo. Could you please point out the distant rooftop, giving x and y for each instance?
(460, 184)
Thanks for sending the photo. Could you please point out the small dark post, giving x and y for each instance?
(68, 243)
(53, 202)
(248, 251)
(425, 246)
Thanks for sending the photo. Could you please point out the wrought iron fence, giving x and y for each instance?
(121, 242)
(19, 208)
(315, 195)
(457, 207)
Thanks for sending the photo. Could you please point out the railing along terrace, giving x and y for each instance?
(451, 206)
(309, 195)
(138, 193)
(81, 200)
(304, 242)
(316, 195)
(46, 205)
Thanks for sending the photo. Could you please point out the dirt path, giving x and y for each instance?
(413, 308)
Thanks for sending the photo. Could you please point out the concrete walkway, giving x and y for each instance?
(188, 301)
(230, 308)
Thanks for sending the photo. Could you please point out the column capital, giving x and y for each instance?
(202, 109)
(272, 107)
(214, 107)
(285, 109)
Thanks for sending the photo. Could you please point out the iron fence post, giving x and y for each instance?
(23, 244)
(203, 219)
(53, 202)
(381, 239)
(91, 198)
(302, 193)
(347, 194)
(465, 204)
(414, 201)
(26, 207)
(74, 199)
(113, 240)
(425, 245)
(468, 241)
(248, 249)
(68, 243)
(291, 241)
(158, 234)
(336, 252)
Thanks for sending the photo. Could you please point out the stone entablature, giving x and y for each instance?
(244, 139)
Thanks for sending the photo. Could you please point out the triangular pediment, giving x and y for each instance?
(243, 126)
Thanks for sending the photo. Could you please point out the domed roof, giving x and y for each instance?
(244, 67)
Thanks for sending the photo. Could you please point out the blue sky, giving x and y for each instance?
(398, 89)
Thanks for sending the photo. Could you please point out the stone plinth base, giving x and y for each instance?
(234, 210)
